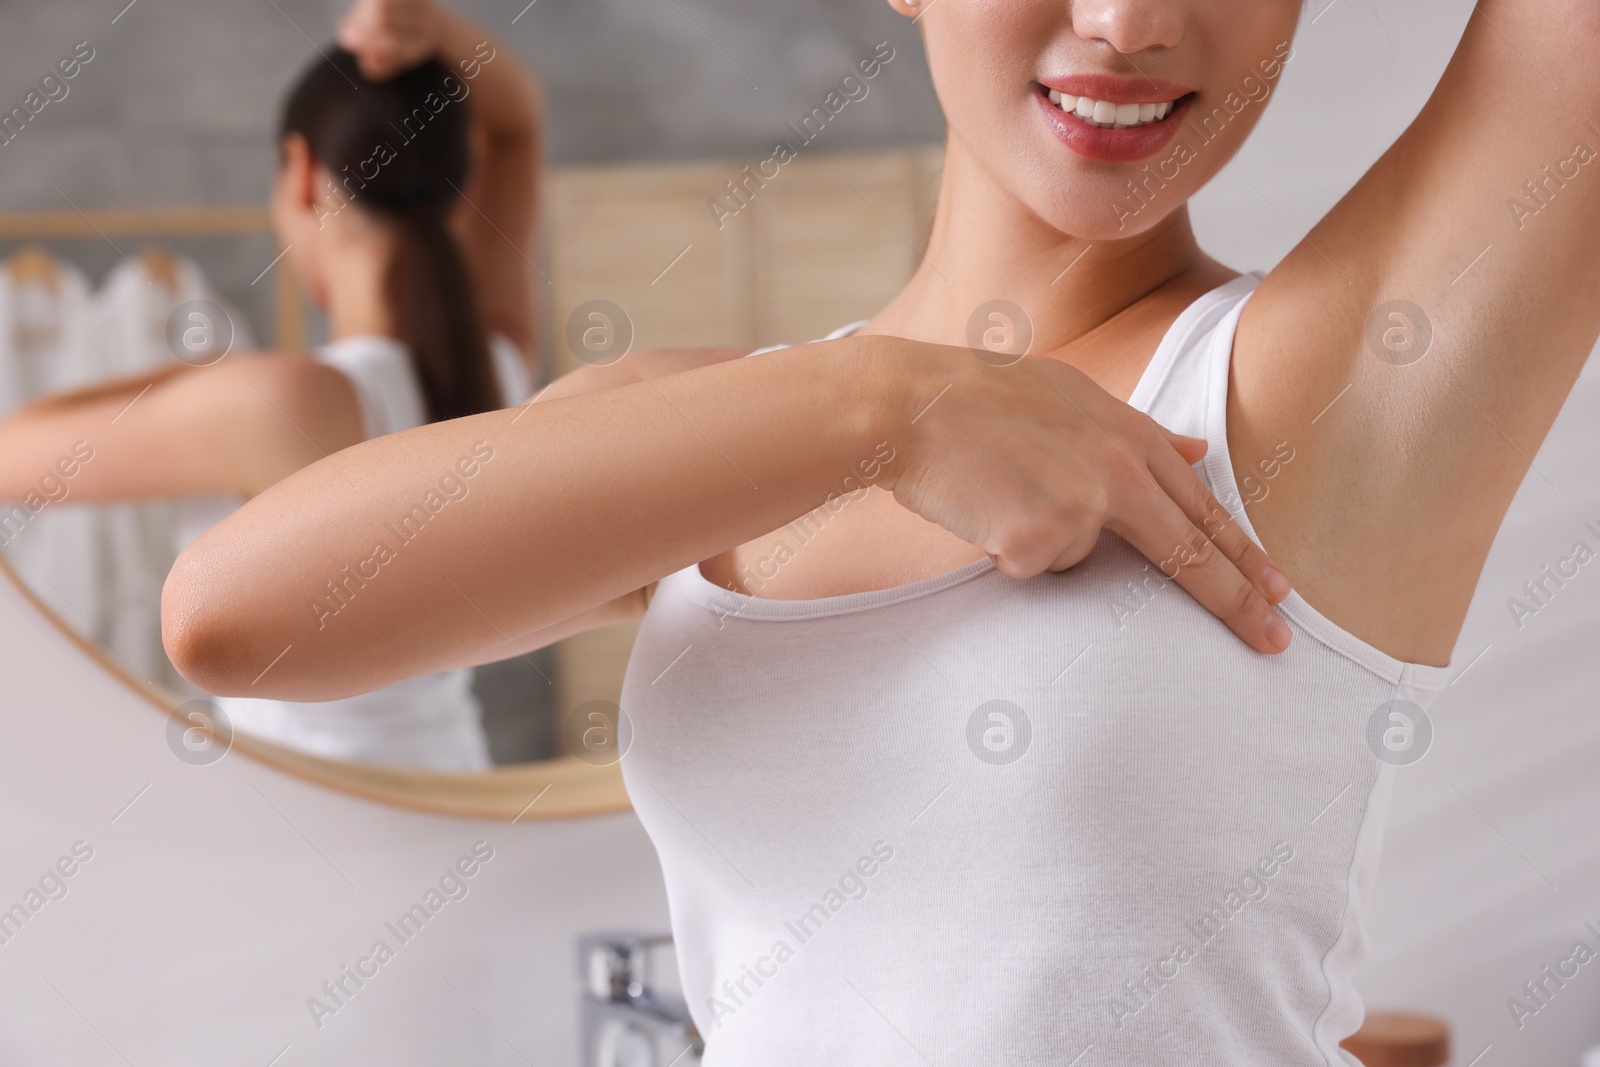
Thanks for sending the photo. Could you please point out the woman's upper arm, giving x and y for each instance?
(498, 219)
(1503, 163)
(237, 426)
(1416, 347)
(499, 211)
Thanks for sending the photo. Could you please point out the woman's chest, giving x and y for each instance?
(857, 542)
(1007, 713)
(861, 539)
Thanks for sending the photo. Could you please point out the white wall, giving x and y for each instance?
(225, 895)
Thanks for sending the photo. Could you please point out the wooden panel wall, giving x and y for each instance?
(827, 241)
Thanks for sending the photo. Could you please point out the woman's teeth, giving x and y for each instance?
(1106, 115)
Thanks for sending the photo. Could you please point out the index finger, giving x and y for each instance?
(1181, 527)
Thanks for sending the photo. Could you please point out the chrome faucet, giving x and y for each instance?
(626, 1021)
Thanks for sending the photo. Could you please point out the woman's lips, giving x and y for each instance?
(1116, 89)
(1107, 144)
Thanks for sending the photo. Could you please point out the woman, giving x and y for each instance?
(430, 311)
(943, 770)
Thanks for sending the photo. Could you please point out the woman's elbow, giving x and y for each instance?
(203, 635)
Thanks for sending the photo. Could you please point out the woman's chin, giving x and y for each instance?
(1091, 211)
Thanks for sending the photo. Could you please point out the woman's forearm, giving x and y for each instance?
(505, 96)
(408, 553)
(497, 228)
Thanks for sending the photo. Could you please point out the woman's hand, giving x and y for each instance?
(389, 36)
(1029, 462)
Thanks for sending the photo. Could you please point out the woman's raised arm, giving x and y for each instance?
(232, 427)
(1417, 345)
(431, 548)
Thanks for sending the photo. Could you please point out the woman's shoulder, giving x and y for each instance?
(293, 378)
(271, 391)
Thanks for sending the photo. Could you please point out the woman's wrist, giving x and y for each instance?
(507, 103)
(456, 35)
(880, 384)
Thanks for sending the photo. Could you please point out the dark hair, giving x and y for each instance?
(399, 150)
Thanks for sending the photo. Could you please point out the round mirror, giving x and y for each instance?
(76, 315)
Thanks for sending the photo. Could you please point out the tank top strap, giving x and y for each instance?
(1178, 387)
(387, 390)
(516, 383)
(843, 331)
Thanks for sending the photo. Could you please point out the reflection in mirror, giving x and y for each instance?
(73, 323)
(98, 566)
(424, 319)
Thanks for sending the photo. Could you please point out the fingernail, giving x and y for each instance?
(1278, 633)
(1275, 584)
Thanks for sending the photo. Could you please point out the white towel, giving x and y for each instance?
(60, 552)
(128, 335)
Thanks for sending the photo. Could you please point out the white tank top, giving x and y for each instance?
(433, 721)
(1071, 820)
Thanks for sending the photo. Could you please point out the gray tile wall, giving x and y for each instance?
(179, 103)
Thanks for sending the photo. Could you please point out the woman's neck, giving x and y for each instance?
(355, 273)
(986, 245)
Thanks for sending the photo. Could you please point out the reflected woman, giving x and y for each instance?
(431, 314)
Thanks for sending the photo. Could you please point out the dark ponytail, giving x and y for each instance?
(399, 150)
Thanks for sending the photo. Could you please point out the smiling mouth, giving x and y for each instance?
(1106, 115)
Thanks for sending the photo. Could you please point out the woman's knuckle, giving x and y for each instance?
(1093, 500)
(1199, 548)
(1245, 599)
(1216, 518)
(1013, 542)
